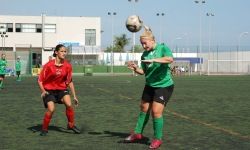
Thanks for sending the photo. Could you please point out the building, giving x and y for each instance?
(37, 34)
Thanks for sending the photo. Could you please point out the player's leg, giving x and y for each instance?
(157, 110)
(47, 117)
(18, 76)
(70, 114)
(161, 97)
(1, 80)
(143, 116)
(145, 108)
(141, 123)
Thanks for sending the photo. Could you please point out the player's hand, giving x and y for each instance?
(44, 94)
(132, 65)
(76, 102)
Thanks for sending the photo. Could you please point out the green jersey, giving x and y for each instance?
(3, 64)
(157, 74)
(18, 66)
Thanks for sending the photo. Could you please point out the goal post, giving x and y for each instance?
(182, 67)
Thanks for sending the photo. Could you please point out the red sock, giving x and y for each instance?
(46, 121)
(70, 115)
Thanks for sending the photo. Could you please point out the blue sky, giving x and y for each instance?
(181, 19)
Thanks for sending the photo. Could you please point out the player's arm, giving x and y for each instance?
(135, 68)
(163, 60)
(70, 84)
(43, 91)
(72, 89)
(40, 82)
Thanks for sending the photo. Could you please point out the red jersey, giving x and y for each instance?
(56, 77)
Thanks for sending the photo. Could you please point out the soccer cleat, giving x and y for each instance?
(155, 144)
(75, 129)
(133, 137)
(43, 133)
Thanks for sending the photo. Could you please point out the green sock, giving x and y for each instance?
(158, 126)
(1, 83)
(141, 122)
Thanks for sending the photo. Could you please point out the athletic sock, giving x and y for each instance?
(46, 121)
(70, 115)
(1, 84)
(158, 126)
(141, 122)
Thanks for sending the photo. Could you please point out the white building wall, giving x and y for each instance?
(68, 29)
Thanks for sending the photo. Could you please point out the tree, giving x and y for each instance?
(119, 44)
(138, 49)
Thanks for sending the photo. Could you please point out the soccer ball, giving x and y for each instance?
(133, 23)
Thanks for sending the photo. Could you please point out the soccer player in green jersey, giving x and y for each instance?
(18, 69)
(3, 64)
(159, 86)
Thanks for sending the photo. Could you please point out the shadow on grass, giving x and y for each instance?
(38, 128)
(145, 140)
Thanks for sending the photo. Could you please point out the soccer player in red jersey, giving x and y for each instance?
(54, 80)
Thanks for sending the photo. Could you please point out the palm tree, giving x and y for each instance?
(119, 44)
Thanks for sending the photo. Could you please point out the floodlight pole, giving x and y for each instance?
(160, 14)
(133, 49)
(112, 14)
(43, 31)
(3, 36)
(200, 51)
(209, 38)
(2, 39)
(1, 33)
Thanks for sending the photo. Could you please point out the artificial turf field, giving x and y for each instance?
(204, 113)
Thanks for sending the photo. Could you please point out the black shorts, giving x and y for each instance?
(160, 95)
(2, 75)
(55, 96)
(18, 72)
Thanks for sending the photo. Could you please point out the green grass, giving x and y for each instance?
(204, 113)
(100, 69)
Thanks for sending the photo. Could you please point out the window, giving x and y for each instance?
(35, 28)
(6, 27)
(9, 27)
(50, 28)
(38, 28)
(2, 27)
(28, 28)
(18, 27)
(90, 37)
